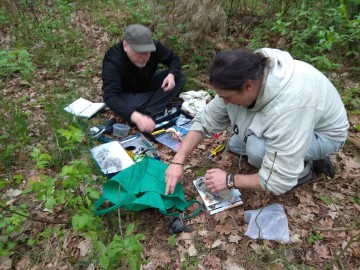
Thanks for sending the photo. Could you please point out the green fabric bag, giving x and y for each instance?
(142, 186)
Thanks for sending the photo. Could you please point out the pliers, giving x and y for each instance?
(217, 150)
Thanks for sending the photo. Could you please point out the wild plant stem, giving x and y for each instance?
(266, 182)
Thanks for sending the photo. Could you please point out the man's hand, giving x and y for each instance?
(143, 122)
(173, 175)
(168, 83)
(215, 180)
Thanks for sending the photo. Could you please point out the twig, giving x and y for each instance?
(119, 216)
(341, 253)
(42, 220)
(31, 7)
(340, 229)
(57, 144)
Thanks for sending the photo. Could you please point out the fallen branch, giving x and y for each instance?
(340, 229)
(354, 140)
(42, 220)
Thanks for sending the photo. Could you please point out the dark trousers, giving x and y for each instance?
(156, 99)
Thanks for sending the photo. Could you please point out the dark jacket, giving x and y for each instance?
(120, 75)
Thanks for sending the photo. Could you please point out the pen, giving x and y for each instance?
(129, 139)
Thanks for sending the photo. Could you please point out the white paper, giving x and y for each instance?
(84, 108)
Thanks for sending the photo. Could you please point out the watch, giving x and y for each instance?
(230, 181)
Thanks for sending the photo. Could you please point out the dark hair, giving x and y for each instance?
(229, 70)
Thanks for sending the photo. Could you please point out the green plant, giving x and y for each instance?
(350, 97)
(357, 200)
(14, 62)
(42, 160)
(84, 221)
(312, 238)
(139, 11)
(64, 189)
(14, 135)
(172, 240)
(73, 136)
(119, 250)
(327, 199)
(190, 262)
(320, 35)
(10, 226)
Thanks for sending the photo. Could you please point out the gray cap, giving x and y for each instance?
(139, 38)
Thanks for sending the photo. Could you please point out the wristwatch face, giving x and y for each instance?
(230, 185)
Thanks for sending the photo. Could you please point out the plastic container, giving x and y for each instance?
(120, 130)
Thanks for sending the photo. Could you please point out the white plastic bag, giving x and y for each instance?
(272, 222)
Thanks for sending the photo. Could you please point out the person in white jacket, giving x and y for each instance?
(286, 116)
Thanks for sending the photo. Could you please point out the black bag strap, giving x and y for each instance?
(188, 204)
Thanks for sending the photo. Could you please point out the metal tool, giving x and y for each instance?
(106, 128)
(217, 150)
(157, 132)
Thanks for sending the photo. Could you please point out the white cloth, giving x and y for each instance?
(194, 101)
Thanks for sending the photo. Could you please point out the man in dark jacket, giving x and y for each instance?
(133, 87)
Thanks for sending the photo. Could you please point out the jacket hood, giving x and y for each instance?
(276, 76)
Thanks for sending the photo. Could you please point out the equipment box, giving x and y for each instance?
(171, 127)
(115, 156)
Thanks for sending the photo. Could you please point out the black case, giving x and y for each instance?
(167, 119)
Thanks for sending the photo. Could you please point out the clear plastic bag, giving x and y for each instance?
(271, 222)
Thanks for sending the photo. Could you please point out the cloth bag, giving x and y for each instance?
(142, 186)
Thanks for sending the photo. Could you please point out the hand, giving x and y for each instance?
(168, 83)
(143, 122)
(173, 175)
(215, 180)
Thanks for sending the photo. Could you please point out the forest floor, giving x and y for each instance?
(323, 215)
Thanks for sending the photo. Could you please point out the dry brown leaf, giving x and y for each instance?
(158, 258)
(186, 237)
(5, 263)
(234, 238)
(202, 147)
(351, 163)
(85, 246)
(192, 251)
(181, 250)
(212, 262)
(326, 222)
(257, 248)
(322, 251)
(208, 241)
(23, 264)
(203, 232)
(333, 215)
(221, 217)
(217, 243)
(295, 238)
(226, 228)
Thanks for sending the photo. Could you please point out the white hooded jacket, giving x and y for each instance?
(294, 101)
